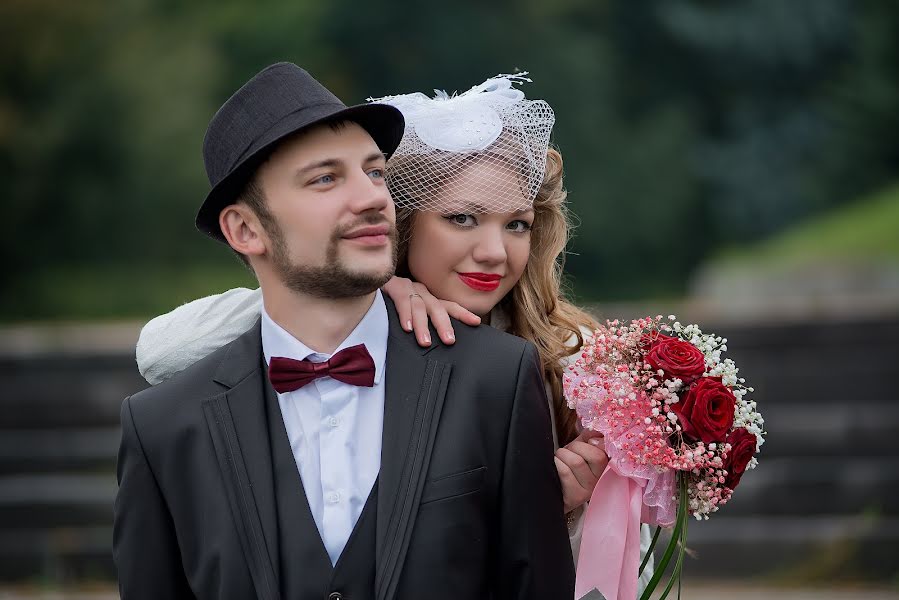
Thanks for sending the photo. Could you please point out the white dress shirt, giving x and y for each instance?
(335, 428)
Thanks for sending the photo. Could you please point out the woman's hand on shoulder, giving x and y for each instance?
(415, 306)
(580, 464)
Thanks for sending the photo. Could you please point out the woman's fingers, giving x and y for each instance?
(580, 464)
(417, 308)
(579, 467)
(595, 457)
(420, 316)
(573, 494)
(440, 319)
(398, 291)
(457, 311)
(588, 434)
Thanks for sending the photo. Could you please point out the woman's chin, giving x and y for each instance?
(481, 306)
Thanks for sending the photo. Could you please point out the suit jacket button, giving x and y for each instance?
(335, 596)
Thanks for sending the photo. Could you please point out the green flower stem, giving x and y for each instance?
(680, 524)
(652, 545)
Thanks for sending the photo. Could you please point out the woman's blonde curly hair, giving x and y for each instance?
(536, 306)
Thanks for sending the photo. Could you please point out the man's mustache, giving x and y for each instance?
(368, 219)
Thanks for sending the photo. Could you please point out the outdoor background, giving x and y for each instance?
(734, 162)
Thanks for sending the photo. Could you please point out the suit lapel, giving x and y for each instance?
(239, 428)
(413, 400)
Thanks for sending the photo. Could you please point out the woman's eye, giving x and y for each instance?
(376, 173)
(519, 226)
(324, 179)
(462, 220)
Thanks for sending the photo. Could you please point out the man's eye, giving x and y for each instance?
(462, 220)
(324, 179)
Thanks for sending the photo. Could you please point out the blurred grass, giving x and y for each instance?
(864, 231)
(115, 291)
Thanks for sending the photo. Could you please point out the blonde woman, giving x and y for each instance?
(482, 227)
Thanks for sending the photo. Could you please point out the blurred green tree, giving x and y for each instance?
(685, 125)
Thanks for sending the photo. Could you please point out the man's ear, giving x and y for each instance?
(242, 230)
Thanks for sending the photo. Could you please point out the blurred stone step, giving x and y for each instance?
(826, 547)
(57, 450)
(858, 428)
(60, 554)
(52, 500)
(65, 391)
(803, 486)
(817, 362)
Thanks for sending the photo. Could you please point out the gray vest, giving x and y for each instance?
(306, 571)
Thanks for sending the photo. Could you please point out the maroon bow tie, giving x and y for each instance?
(351, 365)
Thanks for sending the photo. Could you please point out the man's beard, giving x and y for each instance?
(333, 279)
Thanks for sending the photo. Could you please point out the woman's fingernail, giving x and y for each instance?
(408, 325)
(451, 337)
(595, 441)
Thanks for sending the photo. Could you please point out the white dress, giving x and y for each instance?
(172, 342)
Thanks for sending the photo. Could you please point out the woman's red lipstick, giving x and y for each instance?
(482, 282)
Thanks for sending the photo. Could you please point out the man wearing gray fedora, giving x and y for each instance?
(323, 454)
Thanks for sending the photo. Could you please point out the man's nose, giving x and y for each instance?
(369, 194)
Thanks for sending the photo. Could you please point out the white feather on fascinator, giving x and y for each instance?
(480, 151)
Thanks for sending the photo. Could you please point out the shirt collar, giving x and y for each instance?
(372, 331)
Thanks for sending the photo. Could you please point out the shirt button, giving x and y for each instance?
(335, 596)
(333, 421)
(333, 497)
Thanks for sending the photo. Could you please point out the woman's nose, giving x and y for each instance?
(490, 247)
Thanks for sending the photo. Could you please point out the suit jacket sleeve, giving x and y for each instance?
(534, 555)
(145, 549)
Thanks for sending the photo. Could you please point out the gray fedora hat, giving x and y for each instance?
(280, 100)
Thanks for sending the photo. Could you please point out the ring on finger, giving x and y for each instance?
(413, 294)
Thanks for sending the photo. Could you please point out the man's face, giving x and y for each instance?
(334, 230)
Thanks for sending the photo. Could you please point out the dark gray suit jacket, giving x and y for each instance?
(469, 503)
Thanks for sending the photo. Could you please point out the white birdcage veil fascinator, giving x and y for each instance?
(480, 151)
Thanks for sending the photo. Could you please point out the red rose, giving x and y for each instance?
(648, 340)
(706, 412)
(676, 358)
(742, 447)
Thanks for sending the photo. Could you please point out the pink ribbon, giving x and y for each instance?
(610, 544)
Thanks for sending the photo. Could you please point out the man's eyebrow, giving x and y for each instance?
(334, 162)
(320, 164)
(375, 156)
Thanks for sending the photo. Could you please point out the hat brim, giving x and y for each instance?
(384, 123)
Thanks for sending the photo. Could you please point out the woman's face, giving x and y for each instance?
(464, 254)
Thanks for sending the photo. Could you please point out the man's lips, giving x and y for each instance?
(375, 235)
(482, 282)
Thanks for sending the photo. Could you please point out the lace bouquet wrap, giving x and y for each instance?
(679, 432)
(492, 127)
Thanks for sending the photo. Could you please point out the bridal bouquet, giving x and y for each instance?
(680, 433)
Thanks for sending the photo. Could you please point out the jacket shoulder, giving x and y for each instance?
(486, 348)
(489, 337)
(182, 393)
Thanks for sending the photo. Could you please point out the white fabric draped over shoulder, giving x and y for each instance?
(174, 341)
